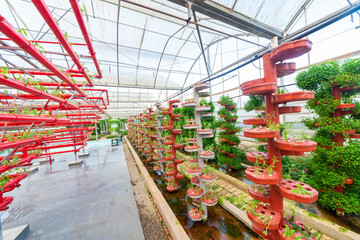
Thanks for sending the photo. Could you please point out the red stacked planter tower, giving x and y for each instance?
(198, 179)
(274, 188)
(159, 164)
(172, 161)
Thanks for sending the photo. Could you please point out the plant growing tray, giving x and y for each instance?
(293, 97)
(260, 133)
(254, 121)
(290, 50)
(255, 156)
(178, 146)
(207, 178)
(292, 145)
(258, 195)
(208, 202)
(189, 104)
(261, 177)
(289, 109)
(285, 186)
(192, 148)
(285, 69)
(265, 211)
(194, 171)
(195, 214)
(201, 86)
(206, 155)
(204, 131)
(258, 87)
(191, 126)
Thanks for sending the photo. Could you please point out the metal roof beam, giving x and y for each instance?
(235, 19)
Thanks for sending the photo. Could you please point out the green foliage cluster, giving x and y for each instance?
(228, 119)
(331, 163)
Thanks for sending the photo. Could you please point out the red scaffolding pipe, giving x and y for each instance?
(26, 45)
(47, 42)
(79, 18)
(42, 74)
(49, 19)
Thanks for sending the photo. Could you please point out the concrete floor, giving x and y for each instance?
(94, 201)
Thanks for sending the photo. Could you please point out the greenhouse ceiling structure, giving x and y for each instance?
(152, 50)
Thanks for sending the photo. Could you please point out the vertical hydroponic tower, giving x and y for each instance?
(171, 160)
(158, 166)
(270, 188)
(201, 198)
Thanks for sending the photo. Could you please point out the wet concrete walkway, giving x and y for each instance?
(94, 201)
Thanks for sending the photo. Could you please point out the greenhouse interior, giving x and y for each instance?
(180, 119)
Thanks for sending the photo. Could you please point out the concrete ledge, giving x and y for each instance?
(18, 233)
(46, 161)
(176, 230)
(328, 228)
(77, 163)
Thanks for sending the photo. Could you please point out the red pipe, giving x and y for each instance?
(49, 42)
(22, 161)
(79, 18)
(49, 19)
(24, 44)
(5, 117)
(42, 74)
(21, 86)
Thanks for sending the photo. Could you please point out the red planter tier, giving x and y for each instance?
(195, 171)
(261, 157)
(178, 146)
(178, 161)
(171, 188)
(189, 104)
(224, 140)
(258, 194)
(169, 158)
(195, 192)
(207, 177)
(176, 116)
(192, 140)
(291, 145)
(265, 211)
(290, 50)
(196, 201)
(254, 121)
(293, 97)
(162, 160)
(285, 69)
(203, 115)
(207, 154)
(346, 105)
(291, 153)
(285, 187)
(202, 108)
(258, 87)
(201, 86)
(193, 160)
(179, 175)
(168, 127)
(356, 135)
(168, 143)
(177, 131)
(195, 180)
(170, 173)
(282, 229)
(259, 133)
(209, 200)
(233, 143)
(261, 176)
(195, 214)
(204, 131)
(289, 109)
(149, 160)
(156, 168)
(192, 148)
(5, 202)
(349, 181)
(191, 126)
(211, 135)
